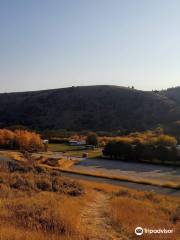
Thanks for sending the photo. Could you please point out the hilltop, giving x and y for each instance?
(90, 108)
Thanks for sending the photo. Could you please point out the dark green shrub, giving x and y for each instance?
(92, 139)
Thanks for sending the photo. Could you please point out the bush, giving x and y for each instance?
(20, 139)
(44, 185)
(67, 187)
(92, 139)
(7, 138)
(39, 169)
(21, 183)
(119, 150)
(17, 167)
(28, 141)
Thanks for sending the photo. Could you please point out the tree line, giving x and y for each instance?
(21, 140)
(140, 151)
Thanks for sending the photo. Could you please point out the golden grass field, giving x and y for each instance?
(38, 204)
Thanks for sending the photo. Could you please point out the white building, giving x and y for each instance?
(76, 143)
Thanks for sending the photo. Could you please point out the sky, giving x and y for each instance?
(47, 44)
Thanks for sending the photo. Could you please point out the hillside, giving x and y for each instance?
(173, 94)
(88, 108)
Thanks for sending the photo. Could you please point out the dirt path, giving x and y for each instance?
(95, 220)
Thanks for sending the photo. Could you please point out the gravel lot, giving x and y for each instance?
(140, 170)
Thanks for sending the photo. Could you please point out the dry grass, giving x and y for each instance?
(13, 155)
(44, 216)
(129, 210)
(43, 212)
(59, 163)
(39, 204)
(36, 203)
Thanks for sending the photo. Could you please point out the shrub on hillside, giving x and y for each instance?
(14, 166)
(21, 183)
(39, 179)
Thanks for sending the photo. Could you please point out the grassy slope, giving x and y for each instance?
(33, 207)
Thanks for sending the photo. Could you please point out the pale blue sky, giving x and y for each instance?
(60, 43)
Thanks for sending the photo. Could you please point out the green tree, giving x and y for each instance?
(118, 150)
(173, 154)
(92, 139)
(162, 153)
(149, 152)
(109, 149)
(138, 151)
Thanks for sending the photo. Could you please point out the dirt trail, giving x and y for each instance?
(95, 220)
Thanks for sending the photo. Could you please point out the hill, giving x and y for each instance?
(173, 94)
(89, 108)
